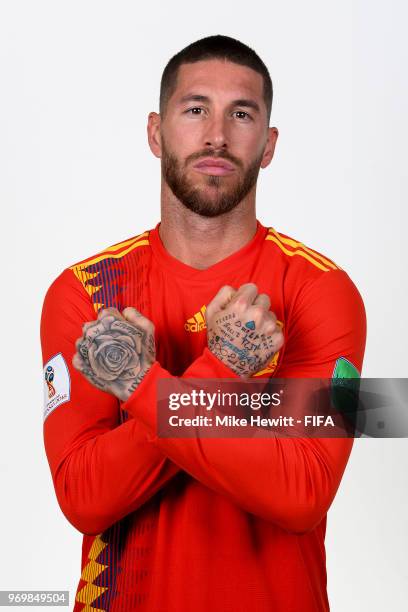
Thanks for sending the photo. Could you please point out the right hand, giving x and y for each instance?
(116, 351)
(241, 330)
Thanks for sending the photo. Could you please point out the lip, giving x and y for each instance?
(213, 166)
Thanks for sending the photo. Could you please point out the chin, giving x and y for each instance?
(209, 208)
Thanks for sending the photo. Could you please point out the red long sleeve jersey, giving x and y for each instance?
(183, 525)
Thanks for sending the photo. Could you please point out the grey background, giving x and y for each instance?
(77, 80)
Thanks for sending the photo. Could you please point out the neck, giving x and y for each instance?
(201, 242)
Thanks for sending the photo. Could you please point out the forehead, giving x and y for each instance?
(218, 77)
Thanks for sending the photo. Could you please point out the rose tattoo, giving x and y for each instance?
(114, 352)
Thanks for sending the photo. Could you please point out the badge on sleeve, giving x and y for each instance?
(57, 384)
(345, 386)
(345, 369)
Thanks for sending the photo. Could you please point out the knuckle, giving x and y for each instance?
(87, 332)
(270, 326)
(109, 310)
(258, 310)
(240, 302)
(131, 310)
(86, 327)
(270, 321)
(264, 298)
(249, 286)
(280, 342)
(279, 337)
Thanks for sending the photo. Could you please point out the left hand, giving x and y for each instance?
(115, 351)
(242, 331)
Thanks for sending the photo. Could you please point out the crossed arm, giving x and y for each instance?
(103, 470)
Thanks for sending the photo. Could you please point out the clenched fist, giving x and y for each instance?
(241, 330)
(115, 351)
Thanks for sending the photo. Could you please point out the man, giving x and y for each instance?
(173, 524)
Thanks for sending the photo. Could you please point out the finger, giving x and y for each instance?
(270, 325)
(77, 362)
(276, 337)
(78, 343)
(93, 330)
(274, 340)
(279, 339)
(110, 311)
(138, 320)
(220, 300)
(87, 325)
(260, 320)
(82, 347)
(138, 340)
(131, 314)
(87, 371)
(262, 299)
(259, 315)
(245, 295)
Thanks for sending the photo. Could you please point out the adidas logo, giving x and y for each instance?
(197, 322)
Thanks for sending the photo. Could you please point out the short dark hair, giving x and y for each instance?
(215, 47)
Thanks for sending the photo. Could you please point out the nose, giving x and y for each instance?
(216, 132)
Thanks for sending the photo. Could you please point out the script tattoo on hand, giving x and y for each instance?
(241, 329)
(115, 354)
(240, 346)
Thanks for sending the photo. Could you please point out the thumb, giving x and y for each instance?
(220, 301)
(137, 319)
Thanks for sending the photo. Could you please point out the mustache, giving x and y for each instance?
(213, 153)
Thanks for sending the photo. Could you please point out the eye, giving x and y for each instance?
(195, 108)
(243, 115)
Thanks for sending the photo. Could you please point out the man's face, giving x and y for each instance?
(214, 136)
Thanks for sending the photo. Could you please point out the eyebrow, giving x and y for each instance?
(246, 102)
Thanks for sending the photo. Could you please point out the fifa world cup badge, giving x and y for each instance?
(57, 384)
(49, 377)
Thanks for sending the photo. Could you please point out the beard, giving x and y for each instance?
(220, 194)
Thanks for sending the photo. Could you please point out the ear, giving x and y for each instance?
(270, 146)
(153, 133)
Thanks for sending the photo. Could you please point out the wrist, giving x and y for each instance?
(134, 384)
